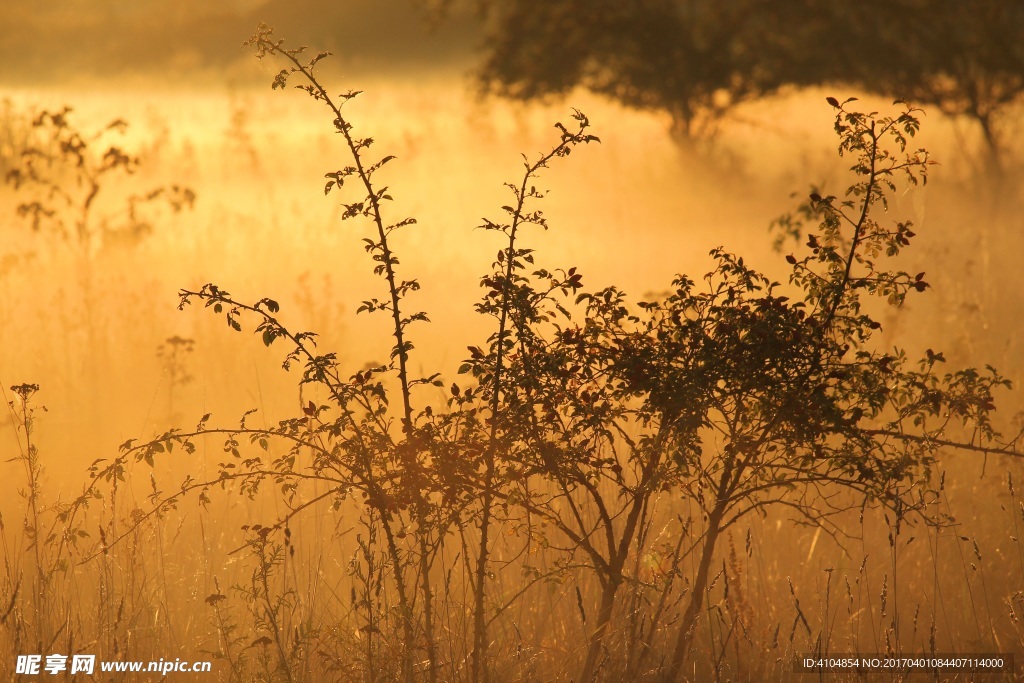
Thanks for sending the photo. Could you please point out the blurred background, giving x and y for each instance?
(713, 122)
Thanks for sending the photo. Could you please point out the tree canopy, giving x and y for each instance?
(697, 59)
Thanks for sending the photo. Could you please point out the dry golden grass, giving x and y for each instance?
(633, 212)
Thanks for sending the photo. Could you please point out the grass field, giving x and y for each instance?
(93, 325)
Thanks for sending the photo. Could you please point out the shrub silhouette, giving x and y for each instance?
(66, 171)
(579, 414)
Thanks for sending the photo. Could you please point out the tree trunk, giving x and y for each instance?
(408, 634)
(700, 583)
(479, 671)
(428, 604)
(604, 617)
(993, 149)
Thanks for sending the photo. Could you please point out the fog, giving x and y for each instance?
(91, 322)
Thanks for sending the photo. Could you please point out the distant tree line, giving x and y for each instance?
(698, 59)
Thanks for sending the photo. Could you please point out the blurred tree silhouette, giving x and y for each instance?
(694, 60)
(698, 59)
(966, 59)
